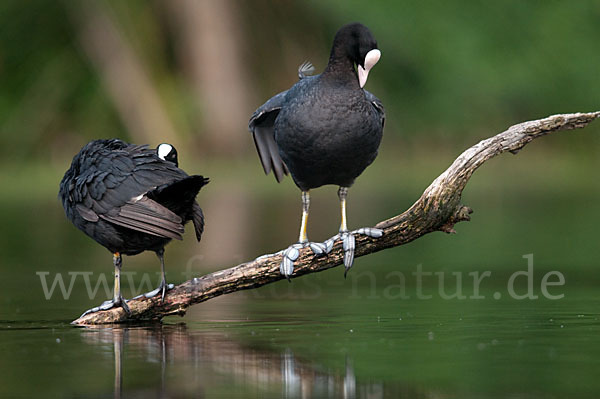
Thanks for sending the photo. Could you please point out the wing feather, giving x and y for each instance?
(262, 127)
(378, 105)
(198, 220)
(147, 216)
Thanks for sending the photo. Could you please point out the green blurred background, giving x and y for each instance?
(192, 72)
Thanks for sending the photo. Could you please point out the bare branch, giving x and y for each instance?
(438, 209)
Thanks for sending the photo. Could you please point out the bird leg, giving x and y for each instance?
(118, 299)
(342, 195)
(163, 281)
(163, 287)
(348, 239)
(292, 252)
(303, 238)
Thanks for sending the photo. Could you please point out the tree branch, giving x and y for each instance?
(438, 209)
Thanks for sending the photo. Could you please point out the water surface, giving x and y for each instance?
(380, 333)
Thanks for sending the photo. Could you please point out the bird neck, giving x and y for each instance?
(340, 69)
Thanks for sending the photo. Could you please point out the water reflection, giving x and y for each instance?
(196, 357)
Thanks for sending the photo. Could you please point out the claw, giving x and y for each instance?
(349, 244)
(370, 231)
(318, 248)
(123, 304)
(108, 305)
(330, 242)
(287, 267)
(161, 288)
(162, 294)
(287, 262)
(92, 310)
(152, 293)
(292, 253)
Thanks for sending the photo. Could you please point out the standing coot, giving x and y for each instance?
(324, 130)
(130, 199)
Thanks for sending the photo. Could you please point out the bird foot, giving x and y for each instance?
(291, 254)
(349, 243)
(162, 289)
(122, 302)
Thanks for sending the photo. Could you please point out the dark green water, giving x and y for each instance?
(380, 333)
(330, 346)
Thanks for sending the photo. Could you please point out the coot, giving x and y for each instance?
(130, 199)
(324, 130)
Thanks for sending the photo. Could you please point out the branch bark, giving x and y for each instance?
(438, 209)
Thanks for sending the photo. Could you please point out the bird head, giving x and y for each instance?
(361, 48)
(167, 152)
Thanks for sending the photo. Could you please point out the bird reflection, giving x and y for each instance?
(197, 362)
(118, 347)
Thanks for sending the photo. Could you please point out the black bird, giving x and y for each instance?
(324, 130)
(130, 199)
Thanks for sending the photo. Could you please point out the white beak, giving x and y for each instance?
(370, 60)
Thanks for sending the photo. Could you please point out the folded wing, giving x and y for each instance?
(147, 216)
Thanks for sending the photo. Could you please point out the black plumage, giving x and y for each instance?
(325, 129)
(130, 199)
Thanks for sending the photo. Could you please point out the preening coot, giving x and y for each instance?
(131, 199)
(324, 130)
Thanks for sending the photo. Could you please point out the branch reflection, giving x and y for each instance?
(200, 362)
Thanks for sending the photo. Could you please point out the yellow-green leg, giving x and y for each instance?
(342, 195)
(293, 251)
(305, 206)
(118, 299)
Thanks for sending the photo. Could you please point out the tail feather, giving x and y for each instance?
(198, 220)
(180, 198)
(177, 196)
